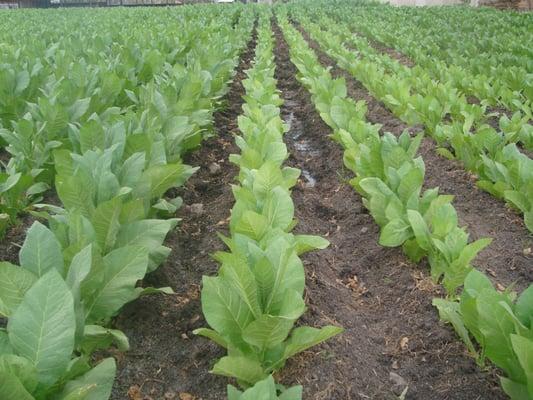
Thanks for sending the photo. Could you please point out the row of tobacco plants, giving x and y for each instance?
(254, 301)
(105, 114)
(461, 128)
(389, 176)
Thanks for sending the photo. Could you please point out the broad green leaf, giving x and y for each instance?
(164, 177)
(76, 192)
(5, 346)
(107, 293)
(420, 229)
(43, 326)
(242, 368)
(12, 388)
(523, 348)
(14, 283)
(252, 224)
(267, 331)
(279, 208)
(239, 277)
(98, 337)
(22, 368)
(395, 233)
(293, 393)
(106, 223)
(262, 390)
(289, 273)
(515, 390)
(147, 233)
(305, 243)
(524, 307)
(305, 337)
(472, 249)
(41, 251)
(91, 137)
(95, 384)
(213, 335)
(224, 310)
(449, 311)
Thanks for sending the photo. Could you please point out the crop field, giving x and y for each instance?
(306, 200)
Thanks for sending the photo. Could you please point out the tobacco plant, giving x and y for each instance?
(253, 303)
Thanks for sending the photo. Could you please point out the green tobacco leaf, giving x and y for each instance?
(420, 229)
(515, 390)
(288, 271)
(305, 243)
(445, 153)
(267, 331)
(22, 368)
(518, 199)
(395, 233)
(266, 390)
(164, 177)
(410, 183)
(496, 326)
(107, 290)
(147, 233)
(262, 390)
(293, 393)
(12, 388)
(305, 337)
(95, 384)
(5, 346)
(472, 249)
(41, 251)
(252, 224)
(43, 326)
(242, 368)
(92, 137)
(106, 223)
(238, 275)
(524, 307)
(449, 311)
(98, 337)
(267, 178)
(223, 309)
(14, 283)
(523, 348)
(76, 192)
(213, 335)
(279, 208)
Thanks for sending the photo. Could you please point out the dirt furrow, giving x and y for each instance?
(506, 260)
(166, 359)
(393, 337)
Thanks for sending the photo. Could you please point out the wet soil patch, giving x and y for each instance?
(393, 337)
(166, 360)
(506, 260)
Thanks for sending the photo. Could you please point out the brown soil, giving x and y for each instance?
(13, 240)
(166, 360)
(482, 214)
(381, 299)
